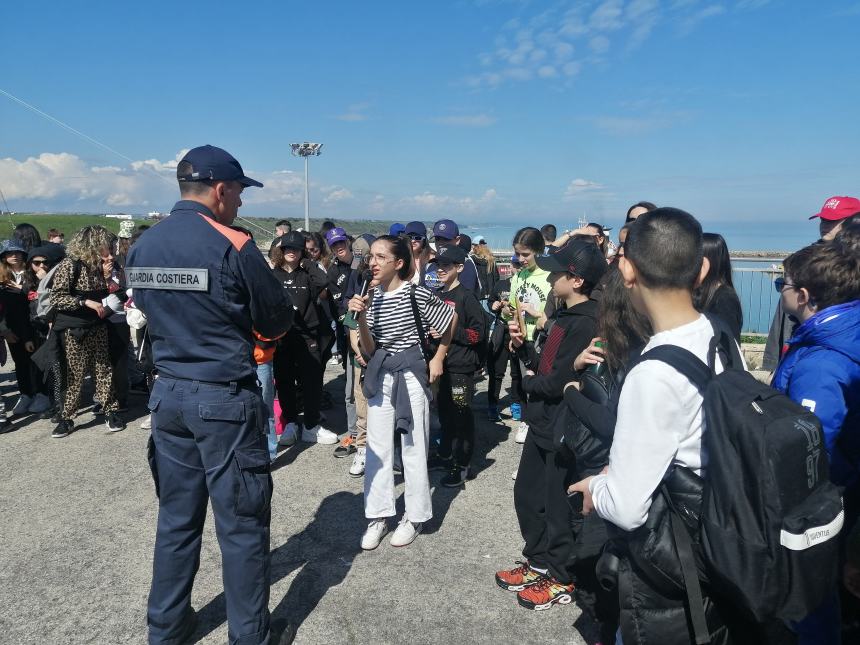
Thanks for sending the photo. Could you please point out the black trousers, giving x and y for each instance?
(298, 363)
(119, 339)
(30, 378)
(540, 499)
(456, 392)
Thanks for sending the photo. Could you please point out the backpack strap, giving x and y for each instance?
(682, 360)
(684, 547)
(418, 324)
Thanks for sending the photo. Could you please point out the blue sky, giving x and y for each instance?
(479, 110)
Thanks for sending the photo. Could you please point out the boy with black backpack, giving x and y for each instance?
(748, 490)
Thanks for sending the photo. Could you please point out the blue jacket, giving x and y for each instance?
(204, 287)
(821, 370)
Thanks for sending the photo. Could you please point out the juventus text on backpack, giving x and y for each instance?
(770, 514)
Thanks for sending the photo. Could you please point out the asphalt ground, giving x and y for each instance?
(77, 524)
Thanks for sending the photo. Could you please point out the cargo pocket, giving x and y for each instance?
(231, 412)
(253, 482)
(153, 467)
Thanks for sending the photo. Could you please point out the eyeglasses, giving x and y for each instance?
(415, 237)
(780, 284)
(381, 259)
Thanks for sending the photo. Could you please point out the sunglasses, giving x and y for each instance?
(780, 284)
(415, 237)
(39, 262)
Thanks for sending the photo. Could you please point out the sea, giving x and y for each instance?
(771, 240)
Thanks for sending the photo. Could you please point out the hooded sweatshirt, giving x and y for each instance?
(820, 370)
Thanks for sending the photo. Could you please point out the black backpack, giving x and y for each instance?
(769, 512)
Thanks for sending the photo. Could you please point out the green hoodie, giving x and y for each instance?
(530, 286)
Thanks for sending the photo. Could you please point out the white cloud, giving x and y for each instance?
(432, 203)
(466, 120)
(354, 113)
(338, 195)
(579, 186)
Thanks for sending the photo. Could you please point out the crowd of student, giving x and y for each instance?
(416, 317)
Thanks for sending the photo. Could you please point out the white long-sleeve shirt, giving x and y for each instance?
(659, 425)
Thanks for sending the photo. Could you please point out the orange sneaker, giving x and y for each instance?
(346, 447)
(545, 593)
(518, 578)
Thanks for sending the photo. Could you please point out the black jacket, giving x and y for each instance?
(726, 304)
(303, 287)
(570, 332)
(338, 279)
(470, 336)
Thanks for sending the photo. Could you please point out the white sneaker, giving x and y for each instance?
(40, 404)
(357, 467)
(318, 434)
(289, 436)
(22, 406)
(146, 424)
(514, 474)
(376, 530)
(406, 533)
(522, 431)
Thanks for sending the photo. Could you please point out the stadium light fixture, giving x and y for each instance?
(306, 150)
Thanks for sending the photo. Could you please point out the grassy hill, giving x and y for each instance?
(68, 223)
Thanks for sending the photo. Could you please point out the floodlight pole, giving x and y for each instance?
(306, 150)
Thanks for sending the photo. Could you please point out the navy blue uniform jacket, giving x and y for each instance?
(205, 335)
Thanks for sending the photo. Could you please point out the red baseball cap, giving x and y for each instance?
(837, 208)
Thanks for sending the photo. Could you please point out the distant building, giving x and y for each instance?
(155, 215)
(118, 216)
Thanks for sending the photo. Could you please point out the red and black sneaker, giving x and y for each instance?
(545, 593)
(518, 578)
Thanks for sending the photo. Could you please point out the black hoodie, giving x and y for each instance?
(570, 332)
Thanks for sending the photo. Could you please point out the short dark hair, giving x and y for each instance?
(549, 232)
(326, 226)
(401, 250)
(183, 169)
(665, 246)
(830, 270)
(284, 222)
(648, 206)
(529, 237)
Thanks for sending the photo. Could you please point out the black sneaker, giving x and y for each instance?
(57, 417)
(345, 448)
(98, 409)
(5, 425)
(437, 463)
(457, 476)
(113, 422)
(64, 428)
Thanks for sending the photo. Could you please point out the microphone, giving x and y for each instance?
(349, 319)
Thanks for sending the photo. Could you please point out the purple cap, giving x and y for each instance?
(335, 235)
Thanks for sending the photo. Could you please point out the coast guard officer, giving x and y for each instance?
(204, 287)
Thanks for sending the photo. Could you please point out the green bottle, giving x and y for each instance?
(598, 368)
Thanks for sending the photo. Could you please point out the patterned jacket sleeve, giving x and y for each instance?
(61, 292)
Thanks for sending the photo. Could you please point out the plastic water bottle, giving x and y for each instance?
(516, 411)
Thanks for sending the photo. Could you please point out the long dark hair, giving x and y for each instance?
(531, 238)
(600, 233)
(619, 324)
(28, 236)
(401, 250)
(715, 249)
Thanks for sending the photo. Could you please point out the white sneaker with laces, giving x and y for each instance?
(357, 467)
(23, 405)
(289, 436)
(376, 530)
(522, 431)
(405, 533)
(40, 404)
(318, 434)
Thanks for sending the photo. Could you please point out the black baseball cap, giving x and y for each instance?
(580, 257)
(209, 163)
(452, 254)
(292, 240)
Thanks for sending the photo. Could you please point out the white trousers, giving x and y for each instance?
(379, 472)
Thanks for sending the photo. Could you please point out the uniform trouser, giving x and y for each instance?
(297, 361)
(358, 422)
(456, 392)
(209, 442)
(379, 472)
(89, 353)
(540, 499)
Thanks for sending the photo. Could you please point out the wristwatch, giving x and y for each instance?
(82, 302)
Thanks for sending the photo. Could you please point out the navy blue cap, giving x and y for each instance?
(416, 228)
(445, 229)
(451, 255)
(396, 229)
(209, 163)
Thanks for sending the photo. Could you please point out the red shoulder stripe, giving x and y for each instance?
(237, 238)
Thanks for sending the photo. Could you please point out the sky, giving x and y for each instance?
(499, 111)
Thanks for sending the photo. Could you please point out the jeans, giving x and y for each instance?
(267, 384)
